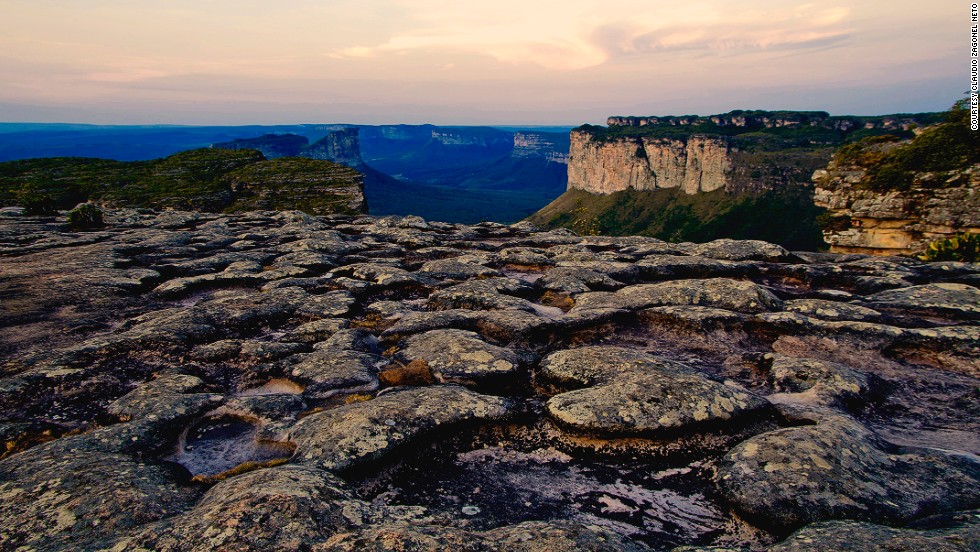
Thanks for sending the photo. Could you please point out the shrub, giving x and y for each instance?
(963, 248)
(34, 200)
(85, 216)
(944, 147)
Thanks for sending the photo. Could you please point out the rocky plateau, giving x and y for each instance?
(272, 380)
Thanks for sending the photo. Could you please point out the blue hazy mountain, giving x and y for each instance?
(456, 174)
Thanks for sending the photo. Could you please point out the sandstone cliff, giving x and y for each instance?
(896, 222)
(740, 151)
(695, 164)
(888, 196)
(551, 146)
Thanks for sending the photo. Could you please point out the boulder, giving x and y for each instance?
(352, 435)
(838, 469)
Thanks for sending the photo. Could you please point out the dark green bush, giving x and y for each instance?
(85, 216)
(947, 146)
(34, 200)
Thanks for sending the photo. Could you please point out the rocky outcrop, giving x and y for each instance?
(896, 222)
(695, 164)
(245, 381)
(315, 187)
(777, 119)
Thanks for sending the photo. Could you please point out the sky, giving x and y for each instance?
(457, 62)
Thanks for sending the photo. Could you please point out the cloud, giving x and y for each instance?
(577, 39)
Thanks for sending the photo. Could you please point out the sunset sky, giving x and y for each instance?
(456, 62)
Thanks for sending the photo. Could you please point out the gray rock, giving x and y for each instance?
(331, 370)
(838, 469)
(830, 382)
(723, 293)
(56, 497)
(743, 250)
(632, 393)
(832, 310)
(457, 356)
(663, 267)
(483, 295)
(955, 300)
(577, 280)
(867, 537)
(316, 331)
(354, 434)
(455, 270)
(168, 398)
(286, 508)
(530, 536)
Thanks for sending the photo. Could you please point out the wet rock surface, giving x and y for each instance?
(272, 380)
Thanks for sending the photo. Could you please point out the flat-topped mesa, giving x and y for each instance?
(536, 144)
(739, 151)
(694, 164)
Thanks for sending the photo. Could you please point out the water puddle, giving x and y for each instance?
(216, 445)
(498, 486)
(548, 312)
(529, 277)
(275, 386)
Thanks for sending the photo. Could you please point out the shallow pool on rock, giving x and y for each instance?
(500, 485)
(216, 445)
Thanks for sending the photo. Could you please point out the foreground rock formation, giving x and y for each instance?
(273, 380)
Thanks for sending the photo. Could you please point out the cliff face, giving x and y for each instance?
(896, 222)
(694, 164)
(739, 151)
(551, 146)
(890, 196)
(340, 146)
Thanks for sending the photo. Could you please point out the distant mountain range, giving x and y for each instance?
(456, 174)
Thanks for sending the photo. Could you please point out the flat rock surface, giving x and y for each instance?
(457, 356)
(274, 380)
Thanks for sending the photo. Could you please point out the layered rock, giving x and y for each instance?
(896, 222)
(695, 164)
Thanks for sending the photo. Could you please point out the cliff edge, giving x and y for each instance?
(893, 197)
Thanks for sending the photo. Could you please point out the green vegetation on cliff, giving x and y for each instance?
(891, 164)
(787, 217)
(204, 179)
